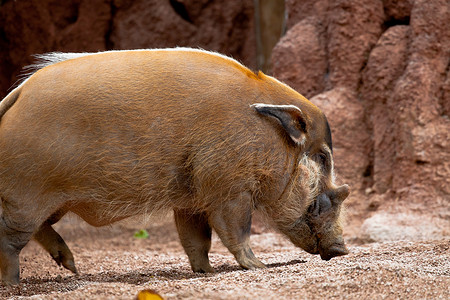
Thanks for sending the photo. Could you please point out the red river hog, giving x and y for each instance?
(116, 134)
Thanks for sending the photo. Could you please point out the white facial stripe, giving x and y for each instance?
(327, 150)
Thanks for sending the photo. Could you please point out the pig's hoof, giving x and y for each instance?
(65, 258)
(9, 281)
(69, 264)
(252, 264)
(203, 269)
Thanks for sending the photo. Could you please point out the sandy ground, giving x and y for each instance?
(112, 264)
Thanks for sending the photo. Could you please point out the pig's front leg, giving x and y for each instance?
(11, 243)
(195, 236)
(232, 221)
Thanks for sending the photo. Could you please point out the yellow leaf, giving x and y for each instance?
(149, 295)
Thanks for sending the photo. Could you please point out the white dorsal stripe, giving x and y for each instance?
(47, 59)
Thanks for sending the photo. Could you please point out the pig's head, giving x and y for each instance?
(319, 230)
(309, 211)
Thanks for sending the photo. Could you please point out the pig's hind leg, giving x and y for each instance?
(51, 241)
(195, 236)
(232, 221)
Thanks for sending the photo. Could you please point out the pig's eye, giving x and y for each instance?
(323, 159)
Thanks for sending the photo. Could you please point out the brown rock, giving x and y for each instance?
(297, 10)
(144, 23)
(86, 28)
(399, 77)
(405, 89)
(346, 29)
(385, 88)
(386, 64)
(350, 136)
(33, 27)
(353, 29)
(398, 10)
(423, 146)
(445, 99)
(384, 227)
(226, 26)
(299, 59)
(39, 26)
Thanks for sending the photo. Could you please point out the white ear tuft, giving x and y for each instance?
(291, 118)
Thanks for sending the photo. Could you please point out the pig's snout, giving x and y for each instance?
(333, 251)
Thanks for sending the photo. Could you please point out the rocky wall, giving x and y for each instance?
(380, 71)
(38, 26)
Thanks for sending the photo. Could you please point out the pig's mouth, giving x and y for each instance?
(328, 252)
(333, 251)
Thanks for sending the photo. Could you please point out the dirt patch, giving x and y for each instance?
(112, 264)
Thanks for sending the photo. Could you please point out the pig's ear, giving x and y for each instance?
(290, 116)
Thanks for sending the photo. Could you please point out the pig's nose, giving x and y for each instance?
(333, 251)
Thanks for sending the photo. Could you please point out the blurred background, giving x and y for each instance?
(379, 69)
